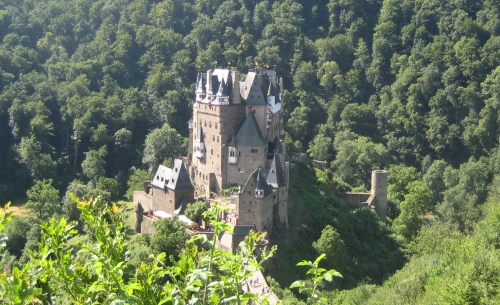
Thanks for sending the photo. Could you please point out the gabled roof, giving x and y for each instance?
(249, 133)
(179, 177)
(174, 178)
(252, 91)
(161, 177)
(276, 176)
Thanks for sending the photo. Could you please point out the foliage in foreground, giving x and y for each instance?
(98, 272)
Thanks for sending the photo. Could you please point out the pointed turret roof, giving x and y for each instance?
(223, 90)
(260, 183)
(200, 135)
(272, 89)
(276, 176)
(200, 86)
(232, 142)
(249, 133)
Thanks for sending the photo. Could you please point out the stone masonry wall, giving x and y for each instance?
(354, 200)
(247, 163)
(147, 225)
(218, 123)
(276, 128)
(163, 200)
(146, 200)
(282, 202)
(255, 211)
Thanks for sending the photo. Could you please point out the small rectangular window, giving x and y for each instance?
(254, 151)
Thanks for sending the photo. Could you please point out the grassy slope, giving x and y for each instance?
(372, 254)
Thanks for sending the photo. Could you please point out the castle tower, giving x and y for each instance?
(276, 177)
(379, 191)
(255, 206)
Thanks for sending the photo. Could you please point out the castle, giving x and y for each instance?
(236, 139)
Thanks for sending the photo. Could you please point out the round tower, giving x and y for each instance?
(379, 190)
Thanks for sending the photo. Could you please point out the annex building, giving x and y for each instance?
(236, 140)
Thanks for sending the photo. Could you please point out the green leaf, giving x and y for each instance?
(297, 284)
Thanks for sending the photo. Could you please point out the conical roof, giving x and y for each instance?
(200, 88)
(276, 176)
(261, 183)
(232, 142)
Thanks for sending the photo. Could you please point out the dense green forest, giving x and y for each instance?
(94, 94)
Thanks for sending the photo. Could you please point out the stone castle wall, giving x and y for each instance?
(376, 199)
(354, 200)
(144, 199)
(247, 162)
(276, 129)
(163, 200)
(218, 124)
(255, 211)
(282, 202)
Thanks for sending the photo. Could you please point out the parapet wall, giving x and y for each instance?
(377, 199)
(354, 200)
(147, 225)
(144, 199)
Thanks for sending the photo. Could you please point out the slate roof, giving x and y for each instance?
(243, 230)
(232, 142)
(161, 177)
(174, 178)
(199, 138)
(275, 147)
(261, 183)
(276, 176)
(251, 90)
(249, 133)
(223, 89)
(179, 177)
(201, 82)
(181, 206)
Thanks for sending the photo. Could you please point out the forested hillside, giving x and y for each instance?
(96, 93)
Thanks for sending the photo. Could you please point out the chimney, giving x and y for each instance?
(209, 83)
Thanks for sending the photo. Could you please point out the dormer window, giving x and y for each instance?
(259, 193)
